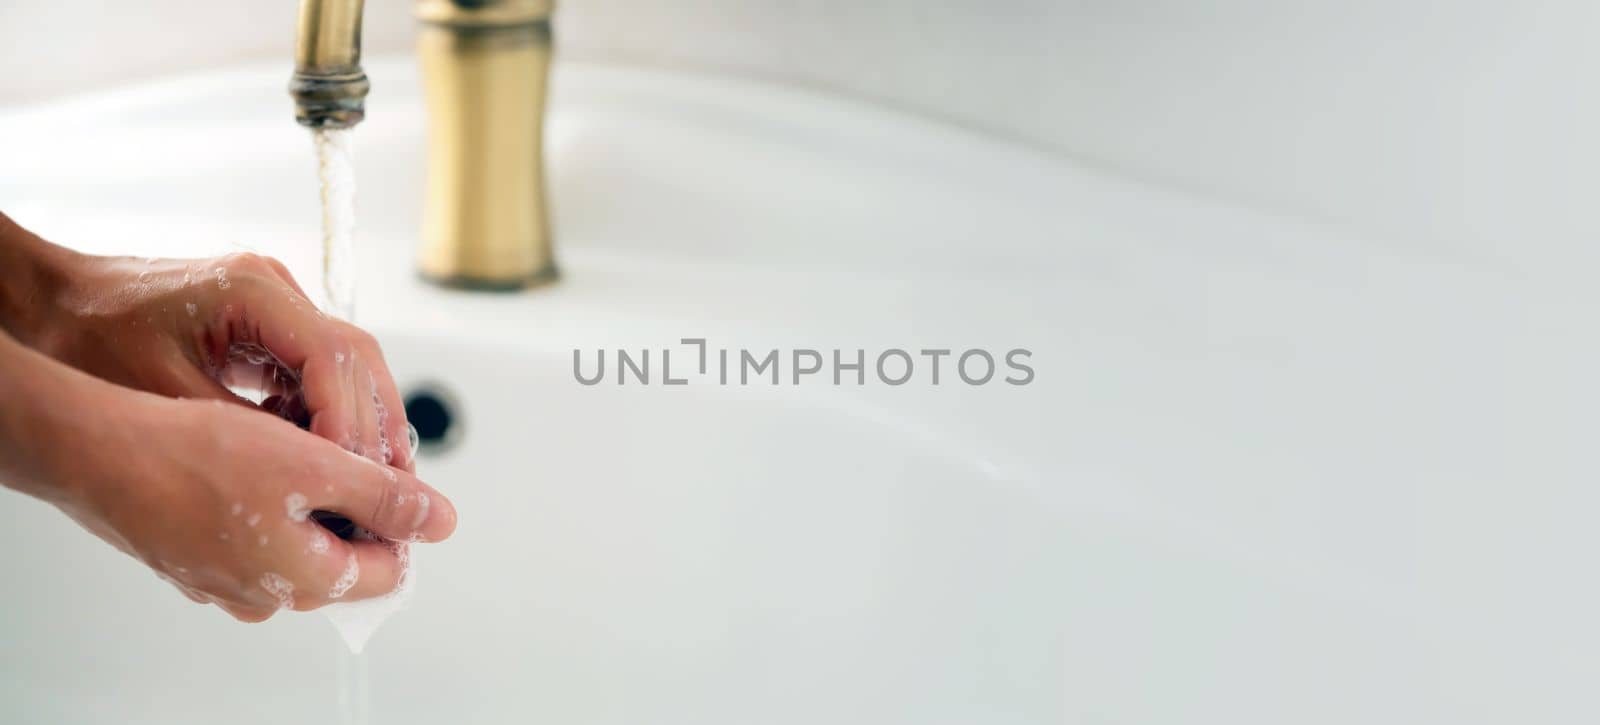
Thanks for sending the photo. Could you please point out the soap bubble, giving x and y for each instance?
(280, 589)
(352, 572)
(422, 509)
(295, 504)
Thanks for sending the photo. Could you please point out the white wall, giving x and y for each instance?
(1461, 126)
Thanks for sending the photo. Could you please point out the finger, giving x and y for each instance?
(389, 502)
(191, 383)
(339, 365)
(391, 408)
(328, 569)
(282, 272)
(382, 564)
(194, 596)
(352, 570)
(246, 613)
(332, 400)
(303, 340)
(370, 412)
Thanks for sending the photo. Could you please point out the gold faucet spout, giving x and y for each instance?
(329, 87)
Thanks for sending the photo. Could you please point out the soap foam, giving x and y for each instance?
(298, 509)
(279, 588)
(358, 621)
(352, 572)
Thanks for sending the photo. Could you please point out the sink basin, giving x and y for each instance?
(1211, 503)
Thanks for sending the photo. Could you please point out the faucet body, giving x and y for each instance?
(485, 66)
(328, 86)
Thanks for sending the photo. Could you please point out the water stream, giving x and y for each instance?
(358, 620)
(336, 173)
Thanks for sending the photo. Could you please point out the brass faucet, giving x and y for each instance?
(485, 66)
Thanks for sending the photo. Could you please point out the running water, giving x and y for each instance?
(355, 689)
(336, 171)
(356, 621)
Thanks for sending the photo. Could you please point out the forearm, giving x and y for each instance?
(52, 418)
(32, 274)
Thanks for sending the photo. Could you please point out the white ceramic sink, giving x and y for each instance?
(1213, 504)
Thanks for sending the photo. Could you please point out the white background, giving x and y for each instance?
(1459, 128)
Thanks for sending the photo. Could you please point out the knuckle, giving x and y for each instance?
(340, 348)
(250, 267)
(358, 337)
(243, 261)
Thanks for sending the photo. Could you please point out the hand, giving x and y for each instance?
(215, 498)
(189, 328)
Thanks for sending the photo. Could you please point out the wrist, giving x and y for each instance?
(33, 276)
(53, 424)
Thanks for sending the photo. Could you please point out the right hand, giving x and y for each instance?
(215, 498)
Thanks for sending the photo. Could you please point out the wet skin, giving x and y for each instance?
(117, 410)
